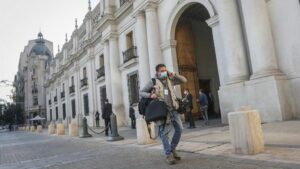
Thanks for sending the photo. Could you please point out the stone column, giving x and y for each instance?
(108, 7)
(260, 39)
(142, 49)
(107, 70)
(153, 35)
(116, 80)
(233, 42)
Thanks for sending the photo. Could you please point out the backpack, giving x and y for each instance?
(144, 102)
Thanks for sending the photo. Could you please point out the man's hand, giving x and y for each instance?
(171, 74)
(153, 96)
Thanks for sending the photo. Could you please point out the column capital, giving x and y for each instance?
(150, 6)
(213, 21)
(168, 44)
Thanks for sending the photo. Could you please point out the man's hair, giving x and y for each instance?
(187, 89)
(157, 67)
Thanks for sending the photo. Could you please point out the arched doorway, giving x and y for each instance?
(196, 57)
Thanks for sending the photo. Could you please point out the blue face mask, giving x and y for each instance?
(164, 75)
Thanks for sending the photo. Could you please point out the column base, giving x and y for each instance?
(266, 73)
(271, 96)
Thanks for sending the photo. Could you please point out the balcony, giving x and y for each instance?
(55, 98)
(129, 54)
(49, 102)
(122, 2)
(84, 82)
(62, 94)
(72, 89)
(100, 72)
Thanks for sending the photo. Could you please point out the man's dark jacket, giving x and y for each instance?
(107, 111)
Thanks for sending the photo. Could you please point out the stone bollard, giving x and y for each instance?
(27, 128)
(39, 129)
(246, 132)
(114, 129)
(32, 128)
(73, 130)
(85, 132)
(51, 128)
(143, 136)
(60, 129)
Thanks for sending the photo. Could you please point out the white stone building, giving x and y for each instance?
(30, 78)
(242, 52)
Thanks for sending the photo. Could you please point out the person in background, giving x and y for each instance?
(107, 112)
(97, 118)
(202, 100)
(188, 104)
(132, 116)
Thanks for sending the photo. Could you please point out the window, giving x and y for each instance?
(35, 100)
(86, 104)
(50, 114)
(63, 87)
(133, 87)
(129, 40)
(84, 72)
(102, 96)
(56, 112)
(64, 111)
(73, 108)
(72, 80)
(101, 61)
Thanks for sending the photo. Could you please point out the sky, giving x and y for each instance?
(21, 20)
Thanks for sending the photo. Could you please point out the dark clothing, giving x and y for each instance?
(203, 100)
(132, 117)
(107, 112)
(203, 106)
(189, 107)
(107, 126)
(97, 118)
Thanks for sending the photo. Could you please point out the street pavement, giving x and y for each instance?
(205, 147)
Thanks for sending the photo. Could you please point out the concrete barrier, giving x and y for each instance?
(60, 129)
(51, 128)
(27, 128)
(32, 128)
(73, 130)
(39, 129)
(143, 136)
(246, 132)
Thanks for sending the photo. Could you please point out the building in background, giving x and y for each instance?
(30, 78)
(240, 52)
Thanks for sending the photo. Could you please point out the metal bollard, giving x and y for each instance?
(114, 129)
(85, 132)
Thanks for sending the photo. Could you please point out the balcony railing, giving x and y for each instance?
(129, 54)
(55, 98)
(100, 72)
(72, 89)
(49, 102)
(122, 2)
(84, 82)
(62, 94)
(34, 91)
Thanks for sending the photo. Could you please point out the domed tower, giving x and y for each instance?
(38, 57)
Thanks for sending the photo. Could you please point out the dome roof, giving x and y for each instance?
(40, 48)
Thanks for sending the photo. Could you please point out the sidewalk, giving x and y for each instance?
(282, 142)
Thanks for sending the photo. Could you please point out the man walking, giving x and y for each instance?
(132, 116)
(97, 118)
(164, 91)
(202, 100)
(107, 112)
(188, 100)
